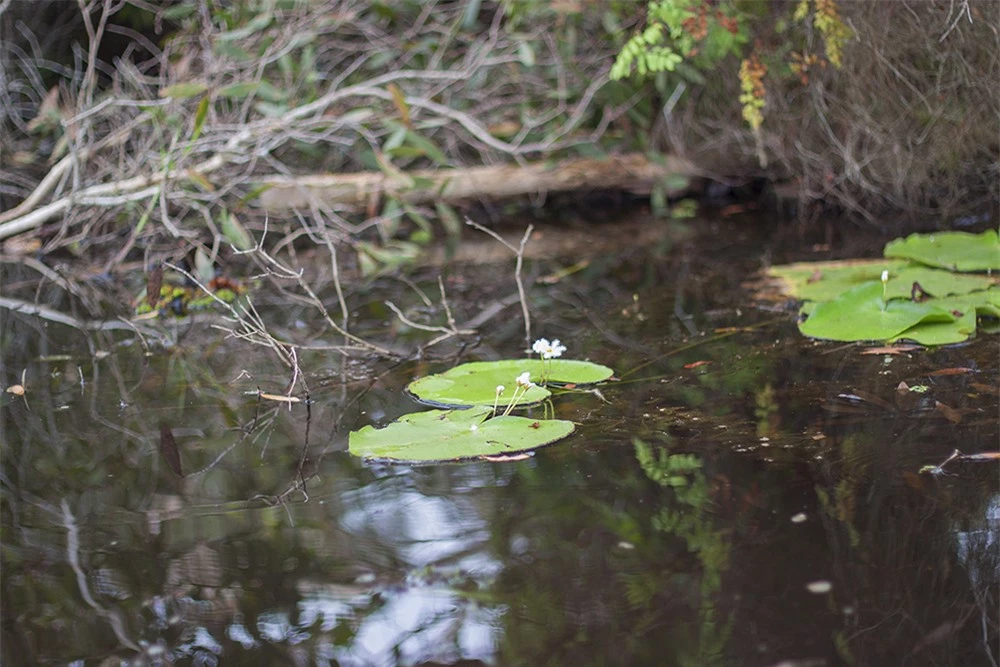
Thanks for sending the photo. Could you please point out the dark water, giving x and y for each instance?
(763, 508)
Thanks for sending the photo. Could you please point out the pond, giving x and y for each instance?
(739, 495)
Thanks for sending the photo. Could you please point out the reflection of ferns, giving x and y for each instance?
(687, 519)
(640, 587)
(665, 469)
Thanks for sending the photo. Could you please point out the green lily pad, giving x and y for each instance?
(861, 314)
(966, 308)
(935, 282)
(958, 251)
(475, 383)
(823, 281)
(454, 435)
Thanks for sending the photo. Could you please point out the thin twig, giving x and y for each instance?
(519, 251)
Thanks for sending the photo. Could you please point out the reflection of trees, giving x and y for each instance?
(616, 570)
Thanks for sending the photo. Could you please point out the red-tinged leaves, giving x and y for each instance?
(981, 456)
(153, 284)
(918, 293)
(951, 371)
(990, 389)
(169, 451)
(951, 414)
(696, 364)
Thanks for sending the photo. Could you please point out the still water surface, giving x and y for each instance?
(740, 497)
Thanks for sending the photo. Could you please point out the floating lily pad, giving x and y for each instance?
(454, 435)
(861, 314)
(935, 282)
(475, 383)
(966, 309)
(823, 281)
(958, 251)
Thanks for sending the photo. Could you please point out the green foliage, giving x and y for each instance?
(694, 37)
(678, 30)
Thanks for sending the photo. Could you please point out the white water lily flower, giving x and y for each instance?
(548, 350)
(524, 380)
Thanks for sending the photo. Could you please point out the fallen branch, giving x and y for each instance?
(628, 172)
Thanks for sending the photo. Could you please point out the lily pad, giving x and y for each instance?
(823, 281)
(861, 314)
(966, 309)
(475, 383)
(935, 282)
(454, 435)
(958, 251)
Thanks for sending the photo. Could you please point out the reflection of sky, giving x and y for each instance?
(979, 549)
(422, 530)
(425, 624)
(437, 538)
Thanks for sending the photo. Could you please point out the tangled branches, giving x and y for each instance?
(233, 95)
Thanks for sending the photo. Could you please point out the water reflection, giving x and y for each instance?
(687, 522)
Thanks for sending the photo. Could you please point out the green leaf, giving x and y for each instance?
(235, 232)
(427, 147)
(861, 314)
(475, 383)
(958, 251)
(966, 308)
(259, 22)
(454, 435)
(199, 120)
(238, 91)
(935, 282)
(449, 218)
(180, 91)
(823, 281)
(269, 93)
(179, 11)
(231, 50)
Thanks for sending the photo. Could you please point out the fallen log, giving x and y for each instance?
(633, 173)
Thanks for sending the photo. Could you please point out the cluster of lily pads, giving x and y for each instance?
(932, 289)
(476, 420)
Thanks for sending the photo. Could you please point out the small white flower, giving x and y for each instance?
(500, 389)
(548, 350)
(524, 380)
(885, 276)
(473, 428)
